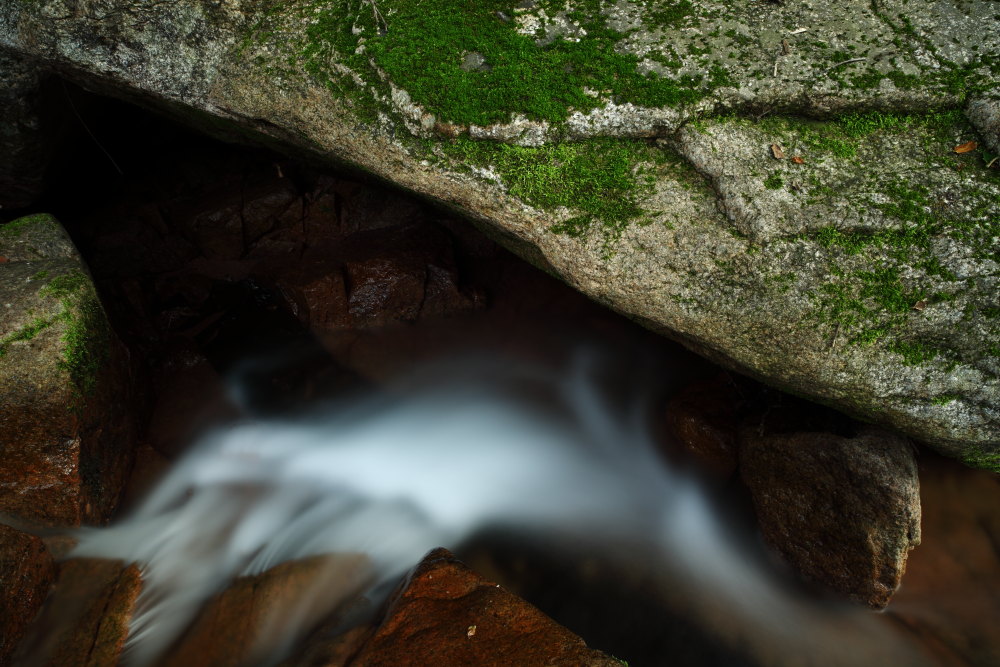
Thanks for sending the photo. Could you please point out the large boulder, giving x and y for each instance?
(67, 427)
(657, 157)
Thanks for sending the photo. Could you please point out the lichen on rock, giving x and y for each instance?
(624, 146)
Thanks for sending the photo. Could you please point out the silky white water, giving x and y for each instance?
(431, 462)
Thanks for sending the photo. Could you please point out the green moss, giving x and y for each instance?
(914, 353)
(422, 47)
(599, 178)
(944, 399)
(85, 343)
(774, 182)
(15, 228)
(67, 284)
(86, 339)
(41, 275)
(983, 460)
(27, 332)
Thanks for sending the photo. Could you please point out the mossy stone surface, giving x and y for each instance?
(626, 147)
(65, 435)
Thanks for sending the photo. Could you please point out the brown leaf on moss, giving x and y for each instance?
(966, 147)
(920, 305)
(798, 160)
(777, 152)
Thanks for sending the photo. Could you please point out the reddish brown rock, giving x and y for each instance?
(26, 572)
(190, 398)
(950, 597)
(67, 420)
(259, 617)
(85, 621)
(447, 614)
(702, 422)
(844, 512)
(384, 289)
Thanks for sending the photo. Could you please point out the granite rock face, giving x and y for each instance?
(776, 185)
(66, 425)
(844, 512)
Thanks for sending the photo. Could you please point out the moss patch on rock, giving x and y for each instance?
(425, 48)
(87, 334)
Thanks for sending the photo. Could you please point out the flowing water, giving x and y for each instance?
(439, 457)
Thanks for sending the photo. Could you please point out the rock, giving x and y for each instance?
(948, 599)
(67, 427)
(25, 143)
(26, 572)
(800, 272)
(702, 422)
(446, 614)
(86, 620)
(258, 618)
(842, 511)
(190, 399)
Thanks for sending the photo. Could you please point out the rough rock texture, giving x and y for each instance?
(26, 572)
(446, 614)
(859, 269)
(844, 512)
(86, 620)
(66, 430)
(24, 146)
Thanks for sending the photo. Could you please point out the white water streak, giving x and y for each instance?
(393, 479)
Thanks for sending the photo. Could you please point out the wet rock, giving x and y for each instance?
(400, 274)
(86, 620)
(26, 572)
(67, 423)
(190, 398)
(25, 145)
(948, 601)
(702, 422)
(258, 618)
(446, 614)
(842, 511)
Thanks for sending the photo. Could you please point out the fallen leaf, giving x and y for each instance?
(3, 259)
(471, 631)
(777, 152)
(798, 160)
(920, 305)
(966, 147)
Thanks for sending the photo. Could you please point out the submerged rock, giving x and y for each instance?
(844, 512)
(447, 614)
(67, 426)
(859, 270)
(259, 617)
